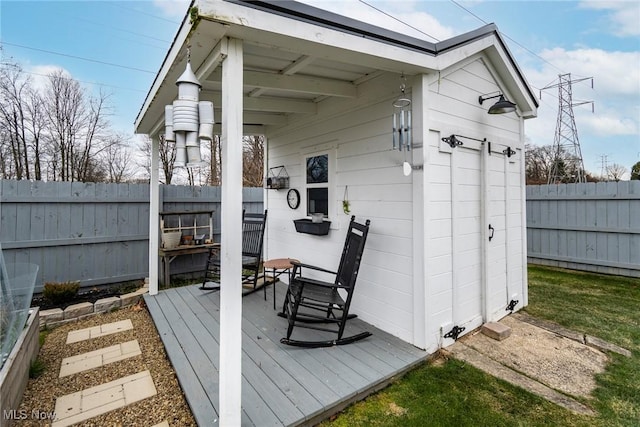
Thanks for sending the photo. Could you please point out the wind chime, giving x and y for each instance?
(188, 120)
(402, 125)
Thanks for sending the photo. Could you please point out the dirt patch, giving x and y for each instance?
(558, 362)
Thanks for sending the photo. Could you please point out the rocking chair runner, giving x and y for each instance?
(253, 225)
(310, 301)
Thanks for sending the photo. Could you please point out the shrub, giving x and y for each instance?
(37, 368)
(60, 292)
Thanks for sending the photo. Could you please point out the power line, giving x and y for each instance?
(79, 57)
(397, 19)
(505, 35)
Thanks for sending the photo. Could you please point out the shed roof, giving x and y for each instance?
(295, 55)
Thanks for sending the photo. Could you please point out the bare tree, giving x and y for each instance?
(616, 171)
(117, 159)
(13, 89)
(253, 161)
(75, 126)
(538, 163)
(167, 157)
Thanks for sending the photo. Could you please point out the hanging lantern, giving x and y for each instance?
(188, 120)
(402, 120)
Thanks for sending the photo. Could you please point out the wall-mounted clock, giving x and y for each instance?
(293, 198)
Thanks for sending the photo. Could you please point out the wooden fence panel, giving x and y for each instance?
(592, 226)
(96, 233)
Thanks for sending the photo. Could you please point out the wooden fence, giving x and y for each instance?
(592, 227)
(95, 233)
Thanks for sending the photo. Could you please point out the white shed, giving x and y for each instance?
(447, 244)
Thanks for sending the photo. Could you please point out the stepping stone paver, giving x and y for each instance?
(99, 331)
(83, 405)
(94, 359)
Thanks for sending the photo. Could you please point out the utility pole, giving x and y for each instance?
(568, 165)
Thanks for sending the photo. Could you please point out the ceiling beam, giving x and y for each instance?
(295, 83)
(265, 104)
(289, 70)
(214, 59)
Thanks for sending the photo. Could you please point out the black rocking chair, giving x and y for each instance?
(253, 225)
(309, 302)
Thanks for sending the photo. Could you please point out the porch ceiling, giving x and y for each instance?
(296, 56)
(283, 78)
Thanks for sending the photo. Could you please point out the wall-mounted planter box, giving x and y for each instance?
(307, 226)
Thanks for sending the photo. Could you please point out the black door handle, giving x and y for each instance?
(492, 231)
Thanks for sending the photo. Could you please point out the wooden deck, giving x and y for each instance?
(282, 385)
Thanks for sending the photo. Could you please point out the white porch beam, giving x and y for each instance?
(154, 215)
(273, 105)
(299, 84)
(214, 59)
(231, 242)
(289, 70)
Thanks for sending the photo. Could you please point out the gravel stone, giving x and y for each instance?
(169, 404)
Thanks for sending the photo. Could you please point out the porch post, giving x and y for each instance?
(231, 252)
(154, 216)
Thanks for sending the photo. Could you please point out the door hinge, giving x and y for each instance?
(512, 304)
(509, 152)
(454, 332)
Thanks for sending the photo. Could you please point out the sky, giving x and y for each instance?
(119, 46)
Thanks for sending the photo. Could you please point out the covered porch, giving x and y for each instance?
(281, 385)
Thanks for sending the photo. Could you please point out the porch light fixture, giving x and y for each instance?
(501, 107)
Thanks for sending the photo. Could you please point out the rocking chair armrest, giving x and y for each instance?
(312, 267)
(316, 282)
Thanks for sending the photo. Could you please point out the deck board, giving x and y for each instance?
(281, 385)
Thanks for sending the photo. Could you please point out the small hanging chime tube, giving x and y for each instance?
(401, 131)
(395, 129)
(408, 130)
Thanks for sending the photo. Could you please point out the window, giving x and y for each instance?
(318, 184)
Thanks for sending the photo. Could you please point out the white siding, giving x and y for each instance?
(458, 229)
(357, 134)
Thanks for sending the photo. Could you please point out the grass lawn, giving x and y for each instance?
(450, 393)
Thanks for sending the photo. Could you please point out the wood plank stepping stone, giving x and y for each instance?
(95, 359)
(82, 405)
(99, 331)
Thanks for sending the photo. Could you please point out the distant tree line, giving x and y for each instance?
(539, 161)
(60, 132)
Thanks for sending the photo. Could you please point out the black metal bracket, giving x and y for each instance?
(512, 304)
(452, 141)
(493, 230)
(508, 152)
(454, 332)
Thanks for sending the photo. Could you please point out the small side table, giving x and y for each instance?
(278, 266)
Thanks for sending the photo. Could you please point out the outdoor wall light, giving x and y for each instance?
(501, 107)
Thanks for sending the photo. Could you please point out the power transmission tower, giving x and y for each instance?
(568, 165)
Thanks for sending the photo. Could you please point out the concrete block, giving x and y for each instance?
(106, 304)
(52, 315)
(496, 330)
(130, 298)
(77, 310)
(603, 345)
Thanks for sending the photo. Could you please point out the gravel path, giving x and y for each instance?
(169, 404)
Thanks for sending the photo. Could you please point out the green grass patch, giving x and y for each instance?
(452, 393)
(604, 306)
